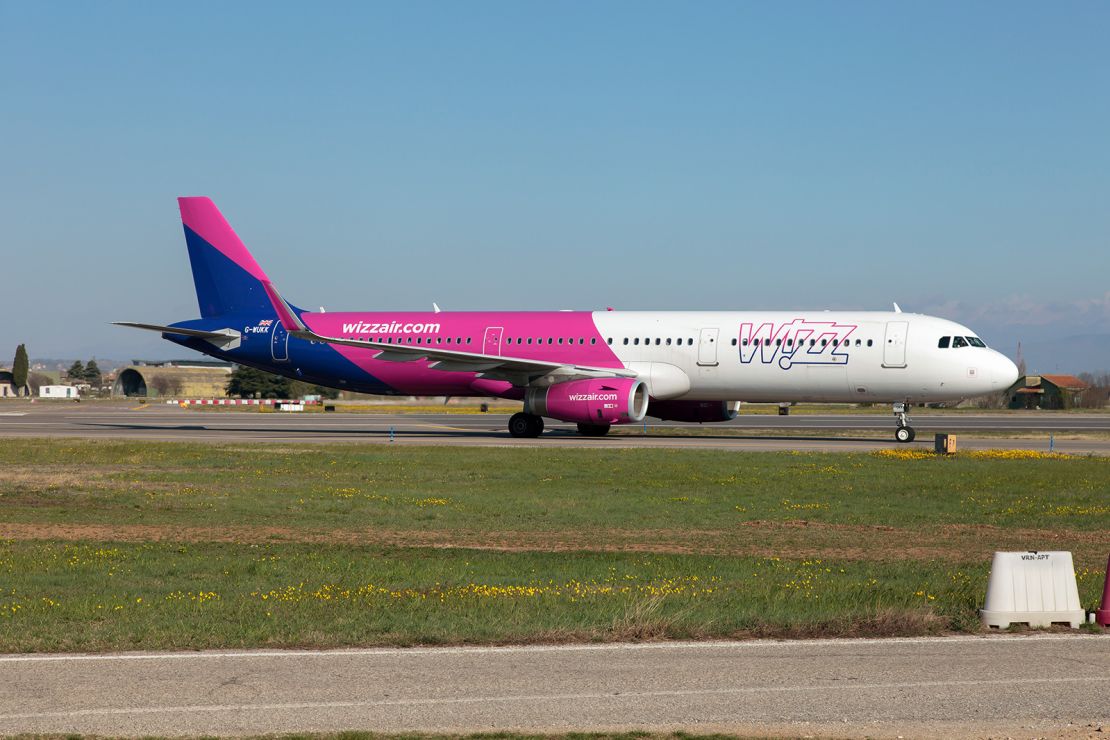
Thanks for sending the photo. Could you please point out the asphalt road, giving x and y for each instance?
(746, 432)
(957, 687)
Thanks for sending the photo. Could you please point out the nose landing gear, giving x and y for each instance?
(525, 425)
(904, 432)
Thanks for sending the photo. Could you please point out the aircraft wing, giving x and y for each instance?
(516, 370)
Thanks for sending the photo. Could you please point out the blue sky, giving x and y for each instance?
(954, 157)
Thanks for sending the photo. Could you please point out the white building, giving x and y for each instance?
(57, 391)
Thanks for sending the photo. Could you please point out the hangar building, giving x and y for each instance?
(192, 378)
(7, 385)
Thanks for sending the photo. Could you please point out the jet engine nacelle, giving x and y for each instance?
(699, 411)
(590, 401)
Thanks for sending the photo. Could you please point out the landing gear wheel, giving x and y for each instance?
(593, 430)
(905, 432)
(525, 425)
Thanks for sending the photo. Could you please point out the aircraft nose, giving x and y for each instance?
(1004, 373)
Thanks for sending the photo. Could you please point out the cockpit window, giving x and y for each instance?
(959, 342)
(976, 342)
(943, 343)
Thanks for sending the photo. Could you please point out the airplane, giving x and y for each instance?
(592, 368)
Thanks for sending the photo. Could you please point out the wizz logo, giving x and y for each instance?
(800, 342)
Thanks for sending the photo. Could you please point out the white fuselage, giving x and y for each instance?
(803, 356)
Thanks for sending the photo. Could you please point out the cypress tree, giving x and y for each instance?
(20, 369)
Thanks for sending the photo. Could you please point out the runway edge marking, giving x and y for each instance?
(508, 649)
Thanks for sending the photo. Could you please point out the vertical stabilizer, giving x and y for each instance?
(226, 276)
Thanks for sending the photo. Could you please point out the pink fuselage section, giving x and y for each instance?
(555, 336)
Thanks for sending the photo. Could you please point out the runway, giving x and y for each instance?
(1073, 433)
(939, 687)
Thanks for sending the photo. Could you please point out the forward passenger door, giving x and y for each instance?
(894, 344)
(707, 347)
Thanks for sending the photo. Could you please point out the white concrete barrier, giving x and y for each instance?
(1034, 588)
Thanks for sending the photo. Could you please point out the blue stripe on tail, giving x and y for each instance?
(223, 287)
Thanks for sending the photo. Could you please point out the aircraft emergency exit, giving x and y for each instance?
(593, 368)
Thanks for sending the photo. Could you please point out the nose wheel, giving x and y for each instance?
(525, 425)
(904, 432)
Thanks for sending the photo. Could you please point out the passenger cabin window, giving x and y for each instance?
(943, 343)
(959, 342)
(733, 341)
(868, 342)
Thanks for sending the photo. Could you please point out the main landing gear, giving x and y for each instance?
(904, 432)
(525, 425)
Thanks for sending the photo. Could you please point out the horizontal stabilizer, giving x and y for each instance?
(223, 338)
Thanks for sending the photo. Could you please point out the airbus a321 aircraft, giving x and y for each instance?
(594, 368)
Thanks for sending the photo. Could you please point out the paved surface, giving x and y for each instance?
(750, 432)
(958, 687)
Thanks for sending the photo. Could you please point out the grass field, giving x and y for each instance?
(115, 545)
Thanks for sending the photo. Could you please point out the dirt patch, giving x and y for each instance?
(38, 479)
(17, 482)
(794, 539)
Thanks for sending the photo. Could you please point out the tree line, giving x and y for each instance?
(247, 382)
(87, 373)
